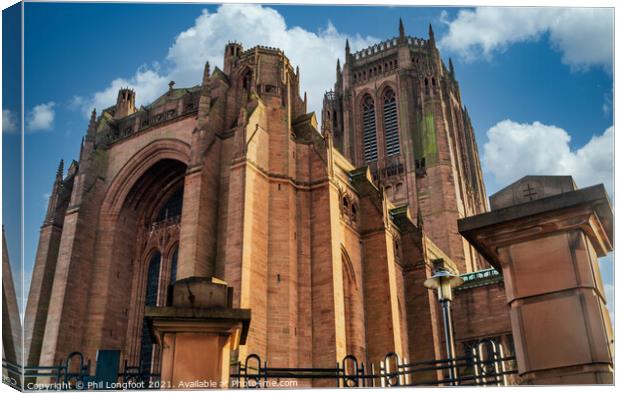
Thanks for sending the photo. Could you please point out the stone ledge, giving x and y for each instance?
(595, 195)
(201, 315)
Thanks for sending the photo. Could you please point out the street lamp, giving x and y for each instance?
(443, 281)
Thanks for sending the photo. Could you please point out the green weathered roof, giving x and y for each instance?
(480, 278)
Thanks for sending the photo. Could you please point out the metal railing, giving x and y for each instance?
(487, 365)
(71, 376)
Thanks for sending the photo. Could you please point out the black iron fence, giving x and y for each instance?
(73, 374)
(485, 364)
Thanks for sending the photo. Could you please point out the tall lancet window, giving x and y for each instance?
(150, 299)
(174, 259)
(390, 123)
(369, 129)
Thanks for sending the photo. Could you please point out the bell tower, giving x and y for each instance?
(125, 103)
(397, 109)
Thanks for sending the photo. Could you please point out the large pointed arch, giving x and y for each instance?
(124, 238)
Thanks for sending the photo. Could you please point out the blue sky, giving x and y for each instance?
(537, 82)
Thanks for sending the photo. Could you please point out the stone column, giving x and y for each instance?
(198, 333)
(545, 235)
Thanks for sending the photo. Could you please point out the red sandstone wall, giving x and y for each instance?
(480, 312)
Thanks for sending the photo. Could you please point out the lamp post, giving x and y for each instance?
(443, 281)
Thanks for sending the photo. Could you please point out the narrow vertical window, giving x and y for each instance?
(369, 129)
(173, 268)
(150, 299)
(173, 274)
(390, 123)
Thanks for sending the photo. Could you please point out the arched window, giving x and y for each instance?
(369, 129)
(173, 207)
(150, 299)
(173, 266)
(390, 123)
(173, 274)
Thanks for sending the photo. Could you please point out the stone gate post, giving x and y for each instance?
(198, 333)
(545, 236)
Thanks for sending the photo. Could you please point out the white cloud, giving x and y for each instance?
(515, 150)
(76, 102)
(251, 25)
(607, 104)
(9, 122)
(584, 36)
(41, 117)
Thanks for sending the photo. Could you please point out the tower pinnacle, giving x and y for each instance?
(401, 28)
(60, 170)
(92, 125)
(207, 73)
(347, 48)
(431, 35)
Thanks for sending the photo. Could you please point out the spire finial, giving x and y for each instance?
(338, 66)
(451, 67)
(431, 34)
(93, 121)
(347, 48)
(401, 28)
(60, 171)
(297, 71)
(206, 73)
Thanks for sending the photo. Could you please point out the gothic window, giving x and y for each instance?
(173, 273)
(369, 129)
(426, 89)
(173, 266)
(150, 299)
(390, 123)
(173, 207)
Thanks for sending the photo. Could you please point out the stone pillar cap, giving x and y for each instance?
(479, 229)
(530, 188)
(205, 292)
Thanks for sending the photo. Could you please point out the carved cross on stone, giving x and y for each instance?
(530, 192)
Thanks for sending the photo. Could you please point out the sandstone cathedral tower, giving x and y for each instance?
(327, 237)
(396, 108)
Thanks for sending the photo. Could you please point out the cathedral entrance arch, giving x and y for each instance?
(137, 251)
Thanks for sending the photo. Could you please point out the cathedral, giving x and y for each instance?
(325, 232)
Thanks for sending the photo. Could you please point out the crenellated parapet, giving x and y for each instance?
(387, 46)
